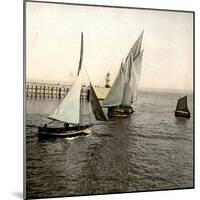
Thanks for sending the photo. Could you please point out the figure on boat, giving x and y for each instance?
(182, 108)
(123, 92)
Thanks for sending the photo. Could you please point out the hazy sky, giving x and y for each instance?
(53, 43)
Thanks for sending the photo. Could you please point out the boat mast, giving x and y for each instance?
(79, 68)
(81, 54)
(80, 110)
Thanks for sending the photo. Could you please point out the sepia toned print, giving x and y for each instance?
(109, 100)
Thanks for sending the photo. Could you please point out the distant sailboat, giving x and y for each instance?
(182, 108)
(73, 110)
(123, 92)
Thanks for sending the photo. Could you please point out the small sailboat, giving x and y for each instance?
(74, 113)
(123, 92)
(182, 108)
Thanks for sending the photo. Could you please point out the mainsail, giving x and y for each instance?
(124, 89)
(69, 109)
(128, 86)
(182, 104)
(136, 75)
(132, 68)
(133, 53)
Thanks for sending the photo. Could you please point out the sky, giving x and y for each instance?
(53, 37)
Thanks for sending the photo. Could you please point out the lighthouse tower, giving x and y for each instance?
(107, 80)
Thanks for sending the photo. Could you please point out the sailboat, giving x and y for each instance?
(182, 108)
(73, 110)
(123, 92)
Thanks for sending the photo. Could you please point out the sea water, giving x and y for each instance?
(150, 150)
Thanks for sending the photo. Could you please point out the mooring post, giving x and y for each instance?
(52, 92)
(56, 91)
(44, 92)
(36, 91)
(40, 91)
(48, 91)
(59, 92)
(63, 92)
(31, 91)
(27, 90)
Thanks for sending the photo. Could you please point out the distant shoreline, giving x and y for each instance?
(189, 92)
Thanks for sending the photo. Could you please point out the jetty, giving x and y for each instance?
(46, 90)
(59, 90)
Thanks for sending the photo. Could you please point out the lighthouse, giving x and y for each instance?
(107, 80)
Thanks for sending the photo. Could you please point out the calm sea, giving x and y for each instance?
(150, 150)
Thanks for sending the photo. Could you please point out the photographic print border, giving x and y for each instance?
(24, 87)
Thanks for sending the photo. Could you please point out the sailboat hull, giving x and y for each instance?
(182, 114)
(48, 132)
(120, 111)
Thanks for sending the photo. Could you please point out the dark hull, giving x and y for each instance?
(182, 114)
(120, 111)
(48, 132)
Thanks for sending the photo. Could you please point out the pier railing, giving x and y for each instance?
(48, 90)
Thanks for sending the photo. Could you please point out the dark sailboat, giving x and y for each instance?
(182, 108)
(73, 110)
(123, 92)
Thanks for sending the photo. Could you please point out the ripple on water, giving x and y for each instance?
(150, 150)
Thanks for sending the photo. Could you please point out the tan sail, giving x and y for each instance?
(182, 104)
(96, 106)
(182, 108)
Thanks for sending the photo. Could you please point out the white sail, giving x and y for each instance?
(128, 92)
(137, 66)
(133, 53)
(127, 68)
(131, 85)
(115, 95)
(128, 86)
(124, 89)
(69, 110)
(135, 50)
(136, 75)
(132, 68)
